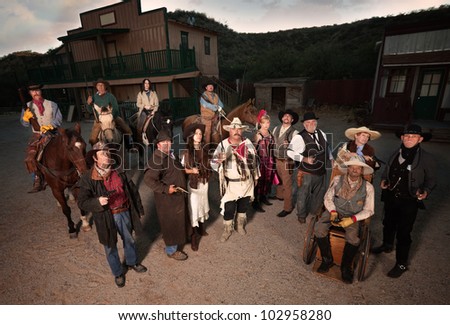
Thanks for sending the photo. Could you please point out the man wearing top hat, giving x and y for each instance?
(104, 98)
(235, 161)
(283, 135)
(311, 150)
(48, 117)
(407, 180)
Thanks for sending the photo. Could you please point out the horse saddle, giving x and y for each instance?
(43, 141)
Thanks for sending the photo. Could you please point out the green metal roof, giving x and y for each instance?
(92, 34)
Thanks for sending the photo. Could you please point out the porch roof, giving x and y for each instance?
(92, 34)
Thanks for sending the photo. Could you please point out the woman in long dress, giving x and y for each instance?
(195, 162)
(264, 143)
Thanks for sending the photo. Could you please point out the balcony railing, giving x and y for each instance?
(144, 64)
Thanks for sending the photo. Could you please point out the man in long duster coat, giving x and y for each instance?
(165, 176)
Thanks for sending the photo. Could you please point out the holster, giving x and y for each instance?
(300, 177)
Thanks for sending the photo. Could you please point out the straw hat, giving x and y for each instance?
(350, 133)
(357, 161)
(235, 124)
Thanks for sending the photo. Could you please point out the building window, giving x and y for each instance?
(398, 81)
(430, 84)
(108, 19)
(184, 40)
(207, 45)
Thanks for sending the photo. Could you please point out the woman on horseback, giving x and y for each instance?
(147, 103)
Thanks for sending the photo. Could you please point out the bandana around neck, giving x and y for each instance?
(40, 104)
(241, 149)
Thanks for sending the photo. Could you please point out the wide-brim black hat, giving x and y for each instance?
(309, 116)
(414, 129)
(190, 129)
(163, 135)
(106, 83)
(294, 115)
(209, 83)
(34, 86)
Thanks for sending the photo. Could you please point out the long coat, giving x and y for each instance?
(91, 188)
(163, 171)
(422, 173)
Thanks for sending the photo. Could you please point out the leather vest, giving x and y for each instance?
(355, 204)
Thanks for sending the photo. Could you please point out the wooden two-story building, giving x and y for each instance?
(124, 45)
(413, 74)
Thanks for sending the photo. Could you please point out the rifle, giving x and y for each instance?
(33, 121)
(88, 91)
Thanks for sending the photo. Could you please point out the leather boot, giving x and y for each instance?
(194, 239)
(256, 205)
(227, 230)
(263, 199)
(325, 252)
(37, 185)
(347, 262)
(201, 229)
(241, 221)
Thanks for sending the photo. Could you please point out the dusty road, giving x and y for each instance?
(41, 265)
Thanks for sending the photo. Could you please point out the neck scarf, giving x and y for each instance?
(407, 154)
(349, 188)
(40, 104)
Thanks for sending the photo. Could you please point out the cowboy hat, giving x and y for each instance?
(235, 124)
(191, 128)
(414, 129)
(291, 113)
(99, 146)
(163, 135)
(350, 133)
(357, 161)
(309, 116)
(101, 81)
(34, 86)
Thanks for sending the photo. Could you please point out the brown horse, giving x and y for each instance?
(63, 160)
(246, 112)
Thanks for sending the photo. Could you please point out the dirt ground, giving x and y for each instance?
(40, 264)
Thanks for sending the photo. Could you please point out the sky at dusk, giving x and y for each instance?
(36, 25)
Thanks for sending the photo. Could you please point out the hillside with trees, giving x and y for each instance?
(346, 51)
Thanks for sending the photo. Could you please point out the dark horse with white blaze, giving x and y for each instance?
(246, 112)
(151, 126)
(61, 163)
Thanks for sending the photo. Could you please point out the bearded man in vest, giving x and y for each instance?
(310, 149)
(283, 135)
(349, 199)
